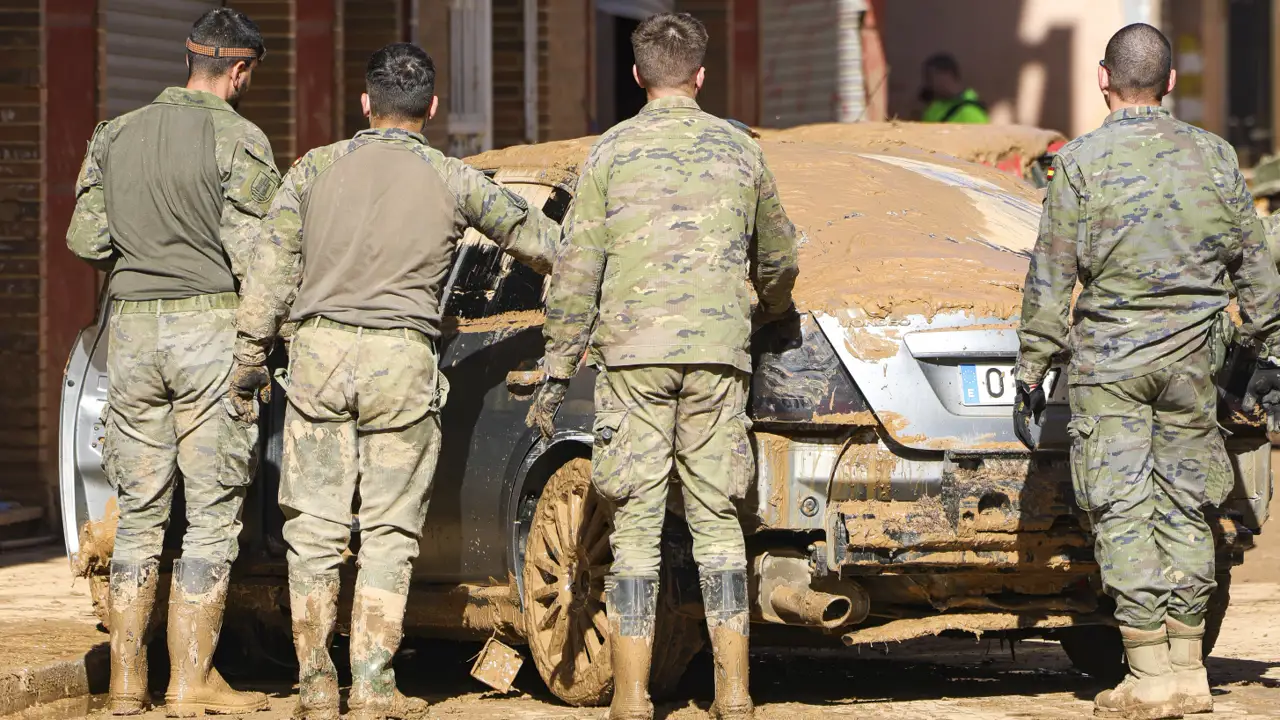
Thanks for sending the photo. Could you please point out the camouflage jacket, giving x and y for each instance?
(382, 262)
(153, 218)
(675, 210)
(1152, 216)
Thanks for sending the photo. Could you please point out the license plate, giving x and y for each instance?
(994, 385)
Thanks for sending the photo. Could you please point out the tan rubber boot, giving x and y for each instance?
(632, 604)
(313, 603)
(377, 626)
(724, 595)
(1150, 691)
(1186, 656)
(197, 599)
(133, 595)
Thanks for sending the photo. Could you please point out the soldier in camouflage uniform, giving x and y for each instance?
(170, 200)
(674, 212)
(1150, 214)
(364, 233)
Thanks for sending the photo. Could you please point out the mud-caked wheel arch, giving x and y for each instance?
(567, 557)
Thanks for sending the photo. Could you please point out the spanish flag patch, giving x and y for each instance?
(1049, 174)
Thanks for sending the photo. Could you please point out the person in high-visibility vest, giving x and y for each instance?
(946, 98)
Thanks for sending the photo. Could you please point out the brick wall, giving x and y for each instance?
(367, 26)
(270, 101)
(563, 73)
(508, 73)
(433, 36)
(20, 216)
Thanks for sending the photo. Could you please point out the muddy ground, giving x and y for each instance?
(43, 615)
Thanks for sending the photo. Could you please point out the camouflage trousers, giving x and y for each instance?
(1147, 458)
(652, 419)
(362, 435)
(167, 364)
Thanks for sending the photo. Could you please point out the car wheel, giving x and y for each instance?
(567, 556)
(1097, 650)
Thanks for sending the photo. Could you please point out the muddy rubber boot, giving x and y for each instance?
(133, 595)
(377, 625)
(197, 599)
(724, 595)
(313, 603)
(632, 606)
(1149, 691)
(1186, 656)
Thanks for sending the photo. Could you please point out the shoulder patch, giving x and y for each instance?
(1050, 173)
(263, 187)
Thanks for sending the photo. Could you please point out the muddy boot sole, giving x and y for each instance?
(195, 709)
(1196, 705)
(1156, 711)
(127, 706)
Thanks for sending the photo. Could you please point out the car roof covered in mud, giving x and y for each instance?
(891, 230)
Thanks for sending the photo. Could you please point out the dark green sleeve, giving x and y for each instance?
(87, 236)
(1051, 277)
(777, 256)
(573, 299)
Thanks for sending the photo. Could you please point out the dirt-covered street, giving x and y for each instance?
(42, 615)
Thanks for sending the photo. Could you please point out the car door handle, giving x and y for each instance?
(525, 378)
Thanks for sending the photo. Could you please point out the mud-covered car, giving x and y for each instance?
(892, 499)
(1023, 151)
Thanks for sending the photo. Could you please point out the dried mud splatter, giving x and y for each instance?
(889, 229)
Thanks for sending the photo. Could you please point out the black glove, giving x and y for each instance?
(1027, 406)
(248, 381)
(542, 414)
(1264, 388)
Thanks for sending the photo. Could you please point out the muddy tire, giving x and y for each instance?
(567, 556)
(1218, 603)
(1097, 651)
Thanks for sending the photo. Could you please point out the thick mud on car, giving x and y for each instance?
(892, 499)
(1020, 150)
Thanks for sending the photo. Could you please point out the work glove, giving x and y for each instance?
(1028, 405)
(1264, 388)
(542, 414)
(247, 384)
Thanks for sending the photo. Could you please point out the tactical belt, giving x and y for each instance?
(406, 333)
(219, 301)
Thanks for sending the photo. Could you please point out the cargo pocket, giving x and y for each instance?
(1220, 476)
(611, 455)
(1106, 460)
(108, 446)
(236, 455)
(1083, 453)
(742, 461)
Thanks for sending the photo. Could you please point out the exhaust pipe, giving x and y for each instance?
(783, 595)
(805, 606)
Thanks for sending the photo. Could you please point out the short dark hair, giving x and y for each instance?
(1139, 59)
(943, 62)
(401, 80)
(669, 49)
(223, 28)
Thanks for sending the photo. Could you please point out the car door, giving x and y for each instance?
(491, 345)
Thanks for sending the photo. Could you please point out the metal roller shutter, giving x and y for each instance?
(144, 51)
(811, 62)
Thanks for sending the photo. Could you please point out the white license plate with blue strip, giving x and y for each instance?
(994, 385)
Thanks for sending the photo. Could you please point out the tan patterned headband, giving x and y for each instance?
(225, 52)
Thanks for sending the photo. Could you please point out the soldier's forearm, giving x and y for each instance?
(533, 242)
